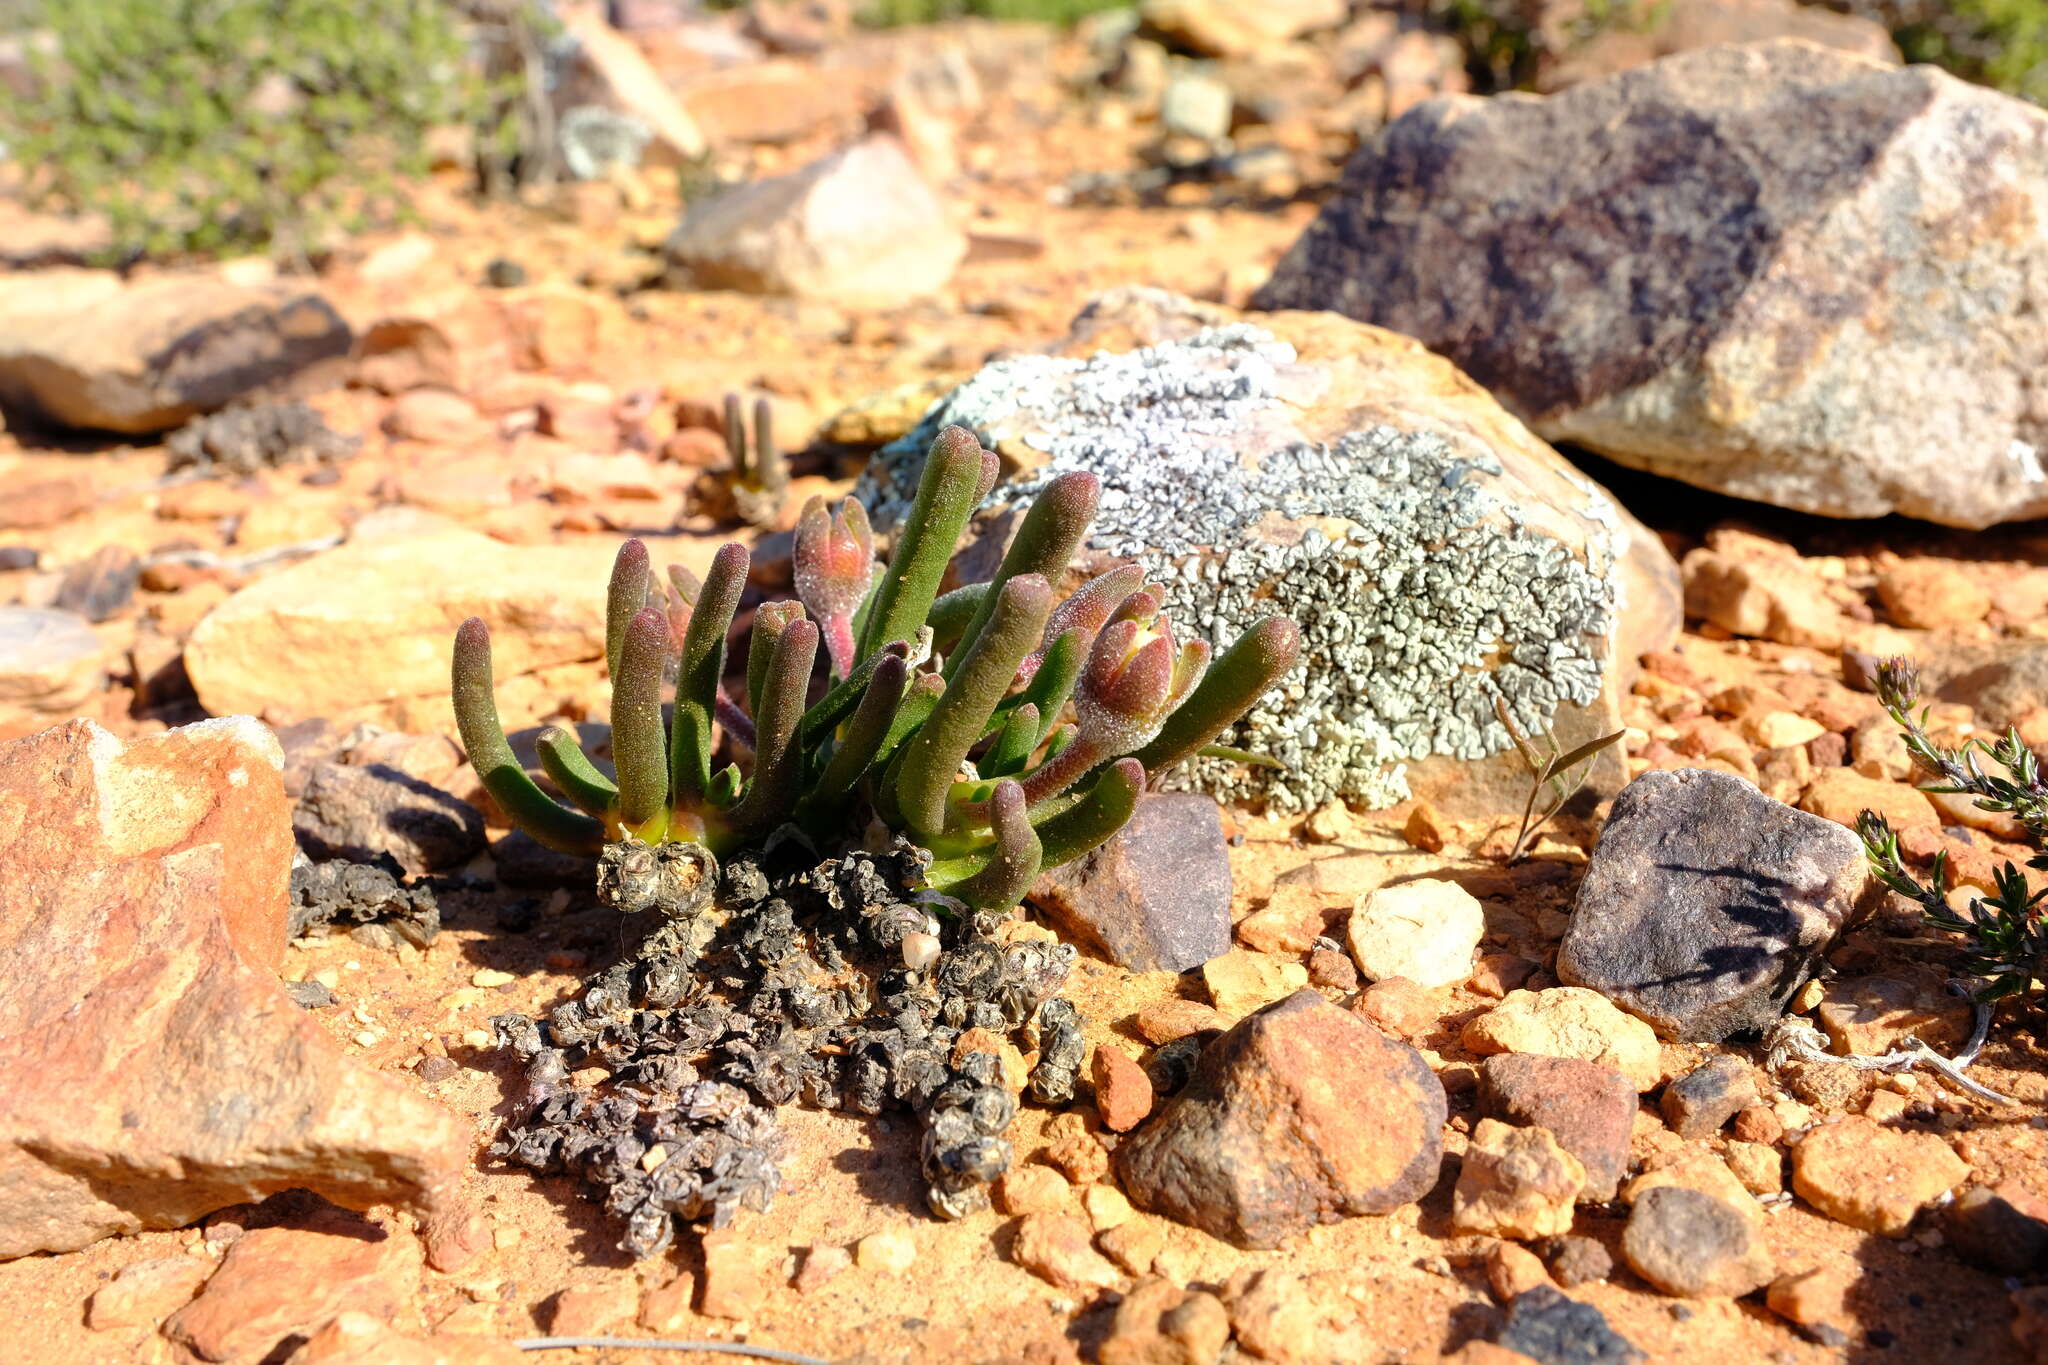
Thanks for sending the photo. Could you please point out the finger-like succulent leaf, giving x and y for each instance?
(1017, 858)
(483, 736)
(946, 497)
(770, 619)
(950, 614)
(1233, 683)
(736, 435)
(932, 757)
(1091, 821)
(1052, 530)
(1013, 744)
(638, 748)
(569, 768)
(703, 663)
(778, 763)
(626, 596)
(836, 705)
(1087, 610)
(866, 733)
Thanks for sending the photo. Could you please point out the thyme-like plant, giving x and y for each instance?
(2005, 934)
(940, 714)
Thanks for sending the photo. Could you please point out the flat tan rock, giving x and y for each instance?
(1569, 1021)
(83, 349)
(1861, 1173)
(372, 622)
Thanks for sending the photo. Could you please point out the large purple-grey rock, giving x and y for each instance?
(358, 812)
(1775, 270)
(1301, 1114)
(1156, 897)
(1706, 903)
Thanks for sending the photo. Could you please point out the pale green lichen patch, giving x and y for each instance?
(1419, 590)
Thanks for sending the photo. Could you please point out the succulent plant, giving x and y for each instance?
(939, 713)
(759, 476)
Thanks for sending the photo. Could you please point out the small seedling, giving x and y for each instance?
(941, 715)
(759, 473)
(1562, 773)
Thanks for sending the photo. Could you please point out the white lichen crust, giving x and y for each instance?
(1418, 588)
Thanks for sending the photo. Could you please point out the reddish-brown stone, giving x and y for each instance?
(156, 1070)
(1123, 1092)
(1301, 1114)
(1589, 1108)
(282, 1282)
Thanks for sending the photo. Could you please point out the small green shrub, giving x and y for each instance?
(1999, 43)
(2004, 935)
(214, 126)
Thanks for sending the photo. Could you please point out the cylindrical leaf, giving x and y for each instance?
(626, 596)
(1233, 683)
(865, 733)
(569, 768)
(483, 736)
(778, 762)
(946, 496)
(931, 759)
(1091, 821)
(1045, 544)
(703, 663)
(638, 748)
(1018, 855)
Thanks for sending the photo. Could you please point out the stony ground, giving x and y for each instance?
(550, 444)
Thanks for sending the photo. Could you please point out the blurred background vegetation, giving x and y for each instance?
(208, 127)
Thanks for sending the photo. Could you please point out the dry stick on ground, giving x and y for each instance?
(1554, 769)
(1793, 1039)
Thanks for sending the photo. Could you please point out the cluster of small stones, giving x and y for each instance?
(371, 899)
(1420, 596)
(248, 439)
(792, 984)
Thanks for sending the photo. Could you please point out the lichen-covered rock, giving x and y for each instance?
(1302, 1114)
(1706, 903)
(1732, 267)
(1435, 553)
